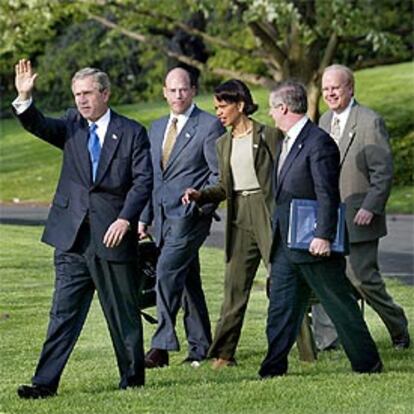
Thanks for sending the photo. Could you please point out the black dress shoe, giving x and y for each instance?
(401, 342)
(156, 358)
(35, 391)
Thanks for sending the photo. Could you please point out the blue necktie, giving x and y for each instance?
(94, 148)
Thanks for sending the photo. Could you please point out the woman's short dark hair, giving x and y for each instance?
(234, 91)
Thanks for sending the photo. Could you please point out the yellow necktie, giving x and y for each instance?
(169, 142)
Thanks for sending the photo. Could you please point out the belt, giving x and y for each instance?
(245, 193)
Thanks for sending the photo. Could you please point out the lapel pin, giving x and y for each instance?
(300, 146)
(351, 134)
(114, 136)
(255, 146)
(187, 135)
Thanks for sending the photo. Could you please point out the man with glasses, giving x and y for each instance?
(365, 184)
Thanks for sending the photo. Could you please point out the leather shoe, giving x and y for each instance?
(220, 363)
(35, 391)
(156, 358)
(401, 342)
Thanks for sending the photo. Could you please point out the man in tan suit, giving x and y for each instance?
(365, 184)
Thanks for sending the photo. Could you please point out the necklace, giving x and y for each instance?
(244, 133)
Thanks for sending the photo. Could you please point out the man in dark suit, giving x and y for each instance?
(105, 182)
(307, 167)
(183, 155)
(365, 184)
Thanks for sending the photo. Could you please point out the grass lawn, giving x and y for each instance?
(89, 383)
(29, 168)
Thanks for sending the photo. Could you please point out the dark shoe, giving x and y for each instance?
(156, 358)
(401, 342)
(131, 382)
(376, 369)
(35, 391)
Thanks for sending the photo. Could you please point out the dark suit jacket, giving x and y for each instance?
(122, 187)
(264, 150)
(192, 163)
(310, 171)
(366, 172)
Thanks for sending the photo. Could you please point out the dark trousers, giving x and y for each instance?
(364, 274)
(289, 297)
(78, 274)
(250, 239)
(179, 284)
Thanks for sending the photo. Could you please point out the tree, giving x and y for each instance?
(258, 41)
(265, 41)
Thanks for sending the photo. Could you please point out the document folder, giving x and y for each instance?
(302, 225)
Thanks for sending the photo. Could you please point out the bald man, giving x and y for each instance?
(184, 155)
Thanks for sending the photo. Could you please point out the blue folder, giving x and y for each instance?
(302, 225)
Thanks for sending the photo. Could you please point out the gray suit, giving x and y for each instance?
(180, 230)
(365, 182)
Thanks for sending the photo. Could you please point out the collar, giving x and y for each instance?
(102, 125)
(296, 129)
(182, 118)
(344, 115)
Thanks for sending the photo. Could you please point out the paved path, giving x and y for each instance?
(396, 255)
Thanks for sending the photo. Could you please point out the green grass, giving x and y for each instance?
(401, 200)
(29, 168)
(89, 383)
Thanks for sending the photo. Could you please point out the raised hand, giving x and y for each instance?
(25, 79)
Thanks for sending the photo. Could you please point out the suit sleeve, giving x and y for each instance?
(216, 130)
(142, 177)
(215, 193)
(210, 154)
(51, 130)
(325, 175)
(378, 159)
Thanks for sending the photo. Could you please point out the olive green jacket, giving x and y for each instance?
(264, 149)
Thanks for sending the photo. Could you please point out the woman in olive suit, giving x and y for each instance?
(245, 154)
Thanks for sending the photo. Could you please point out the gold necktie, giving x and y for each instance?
(336, 130)
(283, 153)
(169, 142)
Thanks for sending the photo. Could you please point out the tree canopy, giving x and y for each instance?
(258, 41)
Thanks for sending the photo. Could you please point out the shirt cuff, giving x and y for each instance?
(21, 106)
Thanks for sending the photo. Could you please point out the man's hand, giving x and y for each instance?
(320, 247)
(363, 217)
(142, 231)
(115, 233)
(25, 79)
(190, 195)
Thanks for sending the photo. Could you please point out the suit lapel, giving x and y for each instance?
(112, 139)
(293, 153)
(349, 132)
(157, 140)
(184, 137)
(227, 146)
(80, 141)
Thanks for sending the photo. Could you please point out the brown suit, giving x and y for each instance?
(365, 182)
